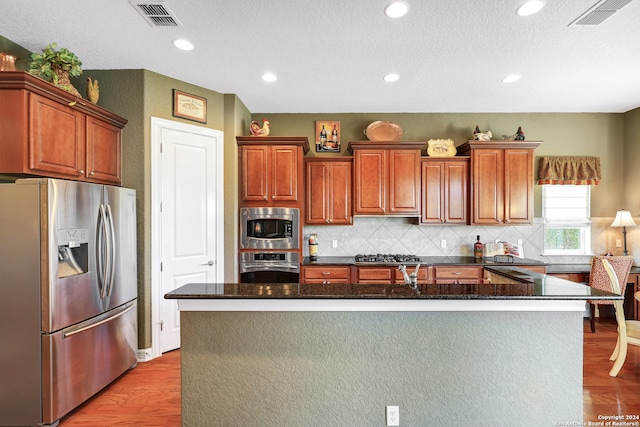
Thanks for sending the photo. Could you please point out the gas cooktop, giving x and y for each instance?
(387, 258)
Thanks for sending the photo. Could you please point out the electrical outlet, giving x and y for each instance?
(618, 243)
(443, 243)
(519, 242)
(393, 415)
(334, 243)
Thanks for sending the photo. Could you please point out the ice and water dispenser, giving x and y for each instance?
(73, 252)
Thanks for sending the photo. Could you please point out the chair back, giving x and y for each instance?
(599, 279)
(613, 279)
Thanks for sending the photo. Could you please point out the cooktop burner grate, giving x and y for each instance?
(390, 258)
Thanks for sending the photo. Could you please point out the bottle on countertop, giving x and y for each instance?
(313, 247)
(477, 248)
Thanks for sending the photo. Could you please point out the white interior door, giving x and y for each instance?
(190, 217)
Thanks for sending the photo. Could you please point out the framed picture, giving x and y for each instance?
(327, 136)
(190, 107)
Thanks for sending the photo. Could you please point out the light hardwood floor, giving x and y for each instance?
(149, 395)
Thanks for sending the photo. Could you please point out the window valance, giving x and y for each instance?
(568, 170)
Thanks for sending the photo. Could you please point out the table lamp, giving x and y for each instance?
(623, 219)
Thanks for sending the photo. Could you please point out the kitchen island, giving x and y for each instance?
(506, 353)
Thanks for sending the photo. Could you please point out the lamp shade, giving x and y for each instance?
(623, 219)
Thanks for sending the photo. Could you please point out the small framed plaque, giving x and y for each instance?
(190, 107)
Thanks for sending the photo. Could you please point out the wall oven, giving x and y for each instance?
(270, 228)
(269, 267)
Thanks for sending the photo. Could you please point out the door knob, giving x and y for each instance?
(210, 262)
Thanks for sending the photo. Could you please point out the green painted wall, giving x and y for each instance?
(236, 118)
(630, 164)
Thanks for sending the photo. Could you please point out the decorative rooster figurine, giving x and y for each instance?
(256, 130)
(93, 91)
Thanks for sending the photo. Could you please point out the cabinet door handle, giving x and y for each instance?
(81, 172)
(91, 173)
(326, 273)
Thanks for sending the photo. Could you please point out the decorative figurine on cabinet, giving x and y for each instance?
(93, 90)
(519, 134)
(256, 130)
(481, 136)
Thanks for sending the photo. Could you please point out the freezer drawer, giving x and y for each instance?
(80, 360)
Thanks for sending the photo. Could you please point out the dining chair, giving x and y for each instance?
(628, 330)
(599, 279)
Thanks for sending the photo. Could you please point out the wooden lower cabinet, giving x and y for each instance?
(389, 275)
(375, 275)
(325, 274)
(535, 268)
(424, 276)
(458, 274)
(572, 277)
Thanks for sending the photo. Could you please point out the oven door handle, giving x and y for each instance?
(269, 267)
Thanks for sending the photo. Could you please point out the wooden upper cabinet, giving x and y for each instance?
(386, 177)
(47, 132)
(57, 142)
(284, 174)
(254, 180)
(444, 190)
(501, 181)
(370, 186)
(271, 170)
(518, 185)
(104, 151)
(404, 181)
(328, 191)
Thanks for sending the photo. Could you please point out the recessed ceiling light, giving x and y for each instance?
(530, 7)
(391, 78)
(396, 9)
(269, 77)
(183, 44)
(511, 78)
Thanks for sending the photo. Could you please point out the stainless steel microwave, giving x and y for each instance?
(270, 228)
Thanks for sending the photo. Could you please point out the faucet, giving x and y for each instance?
(410, 279)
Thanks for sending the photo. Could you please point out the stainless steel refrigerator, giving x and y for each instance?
(68, 291)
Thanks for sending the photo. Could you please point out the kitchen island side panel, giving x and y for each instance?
(343, 368)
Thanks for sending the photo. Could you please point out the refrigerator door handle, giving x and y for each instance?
(111, 250)
(100, 256)
(90, 325)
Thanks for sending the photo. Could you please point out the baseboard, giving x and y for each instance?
(144, 355)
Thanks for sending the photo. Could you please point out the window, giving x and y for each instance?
(567, 224)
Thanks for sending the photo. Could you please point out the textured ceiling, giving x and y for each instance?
(330, 56)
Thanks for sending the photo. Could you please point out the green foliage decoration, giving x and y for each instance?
(46, 64)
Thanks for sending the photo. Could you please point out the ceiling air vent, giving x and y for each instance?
(601, 11)
(157, 14)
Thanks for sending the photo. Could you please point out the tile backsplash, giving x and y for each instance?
(403, 235)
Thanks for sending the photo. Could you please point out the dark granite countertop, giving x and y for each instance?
(578, 268)
(524, 285)
(428, 260)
